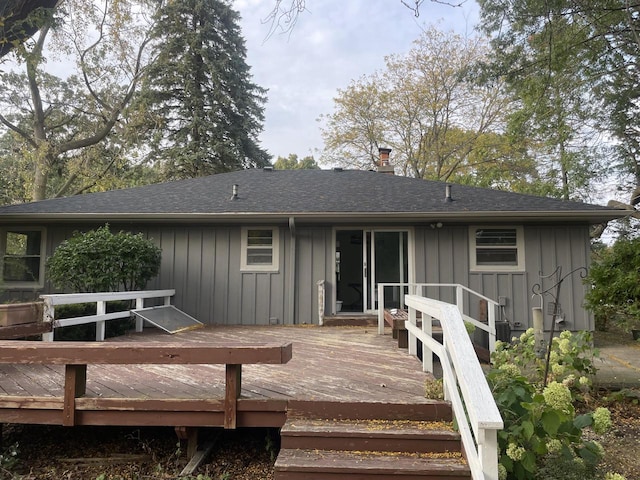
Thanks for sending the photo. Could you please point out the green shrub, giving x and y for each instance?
(100, 261)
(542, 433)
(614, 278)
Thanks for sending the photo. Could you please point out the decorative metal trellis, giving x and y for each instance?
(554, 308)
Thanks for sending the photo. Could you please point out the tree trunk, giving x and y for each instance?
(41, 175)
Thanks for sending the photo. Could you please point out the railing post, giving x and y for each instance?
(427, 353)
(488, 452)
(381, 309)
(412, 340)
(101, 309)
(139, 319)
(492, 327)
(48, 315)
(321, 301)
(460, 299)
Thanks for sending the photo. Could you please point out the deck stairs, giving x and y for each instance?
(371, 441)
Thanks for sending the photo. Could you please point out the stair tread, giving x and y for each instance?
(369, 428)
(430, 410)
(379, 463)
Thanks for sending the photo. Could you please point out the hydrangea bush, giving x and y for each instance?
(543, 435)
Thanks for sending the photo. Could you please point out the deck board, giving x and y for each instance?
(329, 364)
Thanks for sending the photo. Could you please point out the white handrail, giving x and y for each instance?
(100, 299)
(464, 383)
(419, 288)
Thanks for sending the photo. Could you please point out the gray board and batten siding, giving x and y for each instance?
(442, 256)
(198, 225)
(203, 264)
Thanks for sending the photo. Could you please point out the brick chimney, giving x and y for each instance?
(384, 166)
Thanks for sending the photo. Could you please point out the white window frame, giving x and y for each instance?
(14, 285)
(519, 267)
(274, 266)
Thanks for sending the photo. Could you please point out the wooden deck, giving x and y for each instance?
(338, 371)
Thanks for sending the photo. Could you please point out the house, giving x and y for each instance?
(250, 247)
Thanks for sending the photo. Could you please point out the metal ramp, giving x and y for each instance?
(168, 318)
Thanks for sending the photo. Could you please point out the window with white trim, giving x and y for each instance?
(22, 252)
(260, 247)
(496, 248)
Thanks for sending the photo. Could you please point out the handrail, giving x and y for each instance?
(464, 383)
(100, 299)
(418, 289)
(75, 356)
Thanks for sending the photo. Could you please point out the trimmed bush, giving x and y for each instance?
(100, 261)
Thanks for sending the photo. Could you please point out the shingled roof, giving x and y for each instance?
(320, 195)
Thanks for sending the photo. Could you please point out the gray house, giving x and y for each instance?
(250, 247)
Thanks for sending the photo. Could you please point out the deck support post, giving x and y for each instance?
(190, 434)
(75, 385)
(232, 393)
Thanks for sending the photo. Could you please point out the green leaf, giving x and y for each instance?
(551, 422)
(529, 462)
(583, 421)
(527, 429)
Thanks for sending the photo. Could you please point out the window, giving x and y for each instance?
(497, 248)
(22, 257)
(260, 249)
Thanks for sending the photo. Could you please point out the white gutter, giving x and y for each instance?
(595, 216)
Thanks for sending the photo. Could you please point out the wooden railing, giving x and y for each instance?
(465, 386)
(460, 290)
(101, 316)
(75, 356)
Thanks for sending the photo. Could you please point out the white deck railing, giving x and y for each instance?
(465, 385)
(460, 290)
(101, 316)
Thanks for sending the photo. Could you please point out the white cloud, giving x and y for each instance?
(334, 42)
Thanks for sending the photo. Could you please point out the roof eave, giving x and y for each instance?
(590, 216)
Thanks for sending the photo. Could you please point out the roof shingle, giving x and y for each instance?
(303, 192)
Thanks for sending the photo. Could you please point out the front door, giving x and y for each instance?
(365, 258)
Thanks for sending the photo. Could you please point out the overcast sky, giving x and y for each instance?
(334, 42)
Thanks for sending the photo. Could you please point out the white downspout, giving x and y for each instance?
(292, 271)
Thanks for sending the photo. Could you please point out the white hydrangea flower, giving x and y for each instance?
(558, 370)
(554, 445)
(565, 334)
(601, 420)
(558, 396)
(613, 476)
(515, 452)
(502, 473)
(565, 345)
(570, 381)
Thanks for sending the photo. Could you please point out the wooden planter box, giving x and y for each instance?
(20, 313)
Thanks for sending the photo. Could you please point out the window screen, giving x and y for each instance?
(259, 247)
(497, 247)
(21, 261)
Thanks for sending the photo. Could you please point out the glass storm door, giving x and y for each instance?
(388, 263)
(365, 258)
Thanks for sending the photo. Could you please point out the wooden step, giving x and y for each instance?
(346, 320)
(326, 465)
(429, 411)
(372, 435)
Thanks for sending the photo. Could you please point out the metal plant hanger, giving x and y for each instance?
(555, 310)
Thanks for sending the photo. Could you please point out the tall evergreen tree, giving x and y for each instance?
(205, 112)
